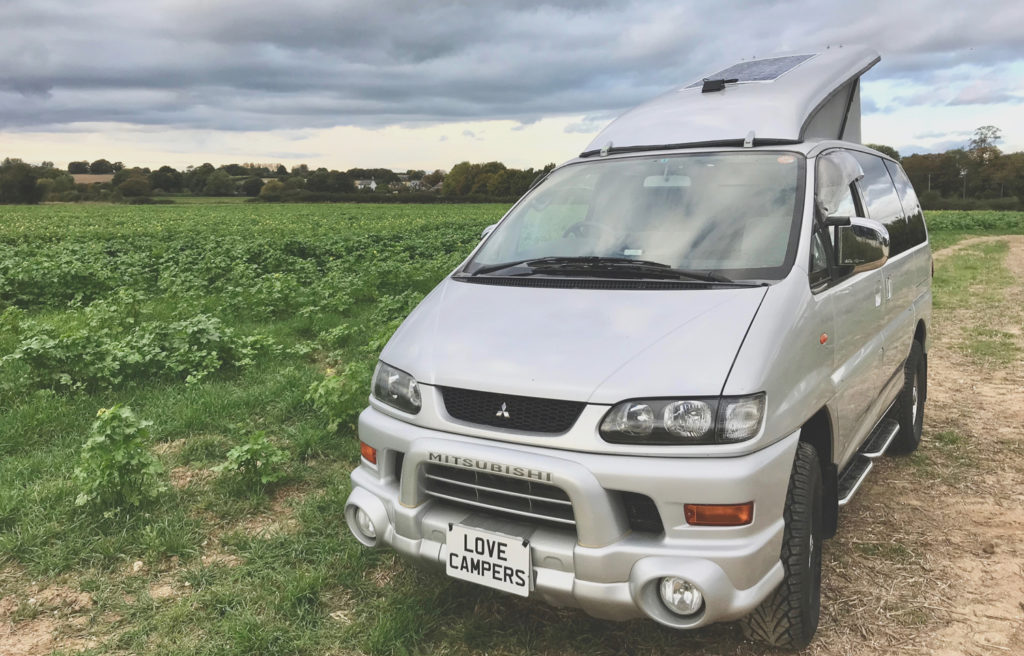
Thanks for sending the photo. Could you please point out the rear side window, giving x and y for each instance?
(883, 203)
(911, 205)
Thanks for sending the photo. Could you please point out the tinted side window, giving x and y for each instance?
(911, 205)
(883, 204)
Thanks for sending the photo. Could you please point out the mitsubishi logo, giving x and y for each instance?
(503, 412)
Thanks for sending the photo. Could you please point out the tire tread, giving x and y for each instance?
(779, 620)
(909, 436)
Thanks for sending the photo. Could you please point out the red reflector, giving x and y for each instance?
(823, 338)
(739, 514)
(368, 452)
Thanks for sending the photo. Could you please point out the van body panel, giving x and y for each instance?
(783, 355)
(900, 282)
(599, 346)
(858, 375)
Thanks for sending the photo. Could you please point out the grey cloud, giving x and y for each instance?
(259, 65)
(962, 134)
(937, 147)
(983, 93)
(590, 123)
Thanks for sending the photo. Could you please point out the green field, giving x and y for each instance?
(219, 323)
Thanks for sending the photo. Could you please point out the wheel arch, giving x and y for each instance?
(818, 432)
(920, 335)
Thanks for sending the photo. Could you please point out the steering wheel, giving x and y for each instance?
(586, 229)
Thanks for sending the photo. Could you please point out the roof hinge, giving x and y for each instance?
(749, 141)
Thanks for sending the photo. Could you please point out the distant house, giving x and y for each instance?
(366, 184)
(92, 178)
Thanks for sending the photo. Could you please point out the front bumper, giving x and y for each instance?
(601, 566)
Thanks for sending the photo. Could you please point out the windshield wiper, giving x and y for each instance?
(593, 263)
(529, 262)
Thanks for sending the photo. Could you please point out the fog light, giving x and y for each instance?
(365, 524)
(680, 596)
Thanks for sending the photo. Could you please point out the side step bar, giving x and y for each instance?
(880, 439)
(852, 477)
(877, 444)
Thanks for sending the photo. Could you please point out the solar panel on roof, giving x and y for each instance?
(758, 70)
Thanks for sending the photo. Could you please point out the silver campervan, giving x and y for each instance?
(653, 385)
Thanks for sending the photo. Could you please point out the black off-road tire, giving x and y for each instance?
(910, 406)
(788, 618)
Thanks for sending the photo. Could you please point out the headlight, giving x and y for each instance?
(684, 421)
(740, 417)
(396, 388)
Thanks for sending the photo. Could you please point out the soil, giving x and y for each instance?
(48, 619)
(929, 558)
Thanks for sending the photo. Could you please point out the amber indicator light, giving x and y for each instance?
(368, 452)
(739, 514)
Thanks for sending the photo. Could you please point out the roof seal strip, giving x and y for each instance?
(720, 143)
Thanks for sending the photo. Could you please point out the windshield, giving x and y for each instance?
(729, 213)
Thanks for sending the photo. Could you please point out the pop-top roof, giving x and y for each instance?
(784, 99)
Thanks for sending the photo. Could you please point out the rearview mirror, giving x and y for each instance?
(863, 244)
(488, 230)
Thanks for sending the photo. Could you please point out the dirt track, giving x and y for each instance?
(930, 556)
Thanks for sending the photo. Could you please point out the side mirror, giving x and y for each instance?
(863, 244)
(488, 230)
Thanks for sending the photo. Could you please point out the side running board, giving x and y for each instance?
(852, 477)
(876, 445)
(880, 439)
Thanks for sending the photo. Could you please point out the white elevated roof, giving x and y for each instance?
(783, 99)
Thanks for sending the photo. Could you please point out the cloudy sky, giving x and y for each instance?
(427, 83)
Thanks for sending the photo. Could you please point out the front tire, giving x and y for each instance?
(789, 617)
(911, 402)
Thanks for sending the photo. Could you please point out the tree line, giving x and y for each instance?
(25, 183)
(976, 176)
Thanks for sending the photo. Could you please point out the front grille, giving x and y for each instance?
(500, 494)
(524, 413)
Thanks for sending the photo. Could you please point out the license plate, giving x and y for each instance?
(496, 561)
